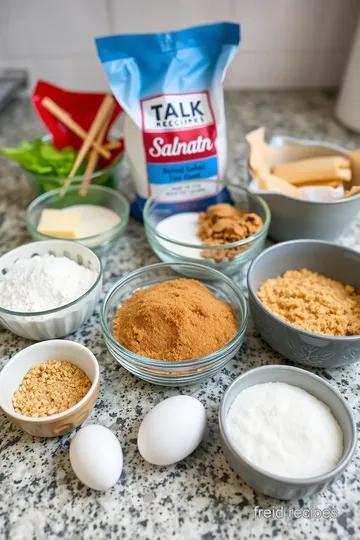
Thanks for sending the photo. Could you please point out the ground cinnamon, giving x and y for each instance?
(223, 224)
(174, 320)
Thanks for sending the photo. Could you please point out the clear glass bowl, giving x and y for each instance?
(170, 250)
(102, 243)
(108, 177)
(160, 371)
(41, 184)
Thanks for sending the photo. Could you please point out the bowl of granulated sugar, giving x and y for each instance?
(286, 432)
(48, 289)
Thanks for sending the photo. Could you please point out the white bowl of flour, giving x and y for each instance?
(48, 289)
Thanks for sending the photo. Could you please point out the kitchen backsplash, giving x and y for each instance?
(285, 43)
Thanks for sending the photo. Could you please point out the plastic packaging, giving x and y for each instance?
(81, 106)
(170, 86)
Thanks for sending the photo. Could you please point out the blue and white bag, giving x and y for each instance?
(170, 86)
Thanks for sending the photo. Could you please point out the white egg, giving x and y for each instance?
(96, 457)
(172, 430)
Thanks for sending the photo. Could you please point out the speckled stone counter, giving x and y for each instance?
(200, 498)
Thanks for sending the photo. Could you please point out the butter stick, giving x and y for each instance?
(59, 223)
(314, 170)
(273, 183)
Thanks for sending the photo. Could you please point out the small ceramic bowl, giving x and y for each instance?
(293, 218)
(169, 250)
(63, 320)
(102, 196)
(281, 487)
(300, 346)
(15, 370)
(160, 371)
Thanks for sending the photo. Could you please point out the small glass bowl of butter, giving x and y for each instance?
(97, 219)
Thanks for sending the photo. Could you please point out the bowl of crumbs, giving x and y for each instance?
(48, 288)
(304, 298)
(207, 222)
(312, 187)
(49, 388)
(171, 330)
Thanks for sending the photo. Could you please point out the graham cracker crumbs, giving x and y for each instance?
(50, 388)
(313, 302)
(223, 224)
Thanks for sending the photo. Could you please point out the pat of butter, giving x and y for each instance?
(59, 223)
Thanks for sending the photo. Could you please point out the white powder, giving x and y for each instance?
(181, 227)
(44, 282)
(94, 219)
(285, 430)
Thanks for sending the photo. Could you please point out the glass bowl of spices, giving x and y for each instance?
(170, 330)
(96, 217)
(224, 231)
(49, 388)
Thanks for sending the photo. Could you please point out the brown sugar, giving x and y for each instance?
(313, 302)
(223, 224)
(174, 320)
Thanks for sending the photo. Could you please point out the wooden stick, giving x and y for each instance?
(103, 113)
(94, 155)
(112, 145)
(66, 119)
(100, 118)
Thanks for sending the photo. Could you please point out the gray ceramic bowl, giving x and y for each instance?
(271, 484)
(300, 346)
(293, 218)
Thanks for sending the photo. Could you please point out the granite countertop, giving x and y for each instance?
(201, 497)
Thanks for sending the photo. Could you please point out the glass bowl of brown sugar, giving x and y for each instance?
(208, 222)
(177, 316)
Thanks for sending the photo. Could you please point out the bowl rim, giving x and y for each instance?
(78, 178)
(284, 480)
(308, 142)
(204, 247)
(277, 319)
(51, 418)
(65, 306)
(154, 363)
(118, 228)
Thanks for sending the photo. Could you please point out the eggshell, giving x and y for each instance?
(96, 457)
(172, 430)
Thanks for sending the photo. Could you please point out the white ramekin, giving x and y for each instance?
(15, 370)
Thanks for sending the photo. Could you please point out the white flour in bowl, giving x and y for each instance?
(44, 282)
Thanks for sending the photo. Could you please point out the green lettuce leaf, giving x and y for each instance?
(41, 157)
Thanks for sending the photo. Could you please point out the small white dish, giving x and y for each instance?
(16, 369)
(57, 322)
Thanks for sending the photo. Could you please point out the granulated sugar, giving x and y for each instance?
(285, 430)
(182, 227)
